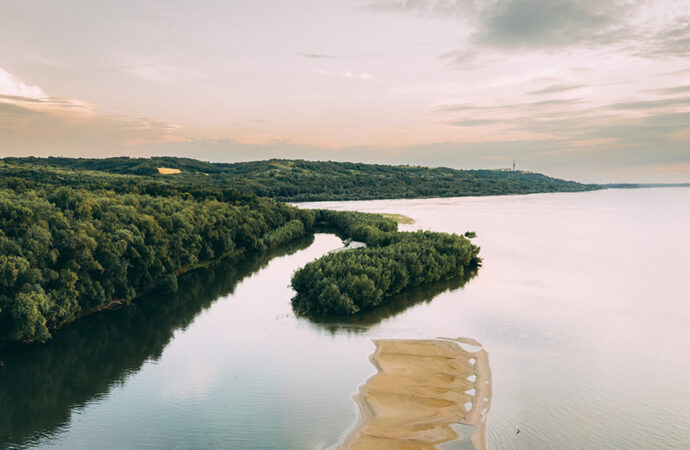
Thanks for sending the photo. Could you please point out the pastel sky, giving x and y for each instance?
(580, 89)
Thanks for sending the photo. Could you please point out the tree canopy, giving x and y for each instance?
(67, 251)
(348, 282)
(299, 180)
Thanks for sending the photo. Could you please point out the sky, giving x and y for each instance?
(595, 91)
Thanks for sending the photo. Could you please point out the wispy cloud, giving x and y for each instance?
(161, 73)
(556, 88)
(363, 76)
(651, 104)
(433, 8)
(317, 56)
(473, 122)
(673, 90)
(670, 40)
(464, 59)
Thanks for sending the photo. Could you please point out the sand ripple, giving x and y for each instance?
(422, 390)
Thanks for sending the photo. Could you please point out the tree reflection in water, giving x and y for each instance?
(360, 323)
(41, 384)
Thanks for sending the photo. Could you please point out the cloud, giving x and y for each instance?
(433, 8)
(15, 92)
(671, 40)
(161, 73)
(673, 90)
(651, 104)
(12, 87)
(464, 59)
(317, 56)
(9, 110)
(364, 76)
(552, 23)
(502, 109)
(615, 136)
(556, 88)
(527, 23)
(473, 122)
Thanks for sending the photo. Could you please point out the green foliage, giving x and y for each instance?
(28, 314)
(347, 282)
(65, 251)
(283, 234)
(355, 225)
(286, 180)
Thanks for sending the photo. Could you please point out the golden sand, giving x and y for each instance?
(419, 392)
(168, 170)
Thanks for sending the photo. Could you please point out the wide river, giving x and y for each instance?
(582, 306)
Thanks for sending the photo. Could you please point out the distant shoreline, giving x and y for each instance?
(643, 185)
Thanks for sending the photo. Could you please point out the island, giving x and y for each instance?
(348, 282)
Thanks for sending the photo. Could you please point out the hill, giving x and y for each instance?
(299, 180)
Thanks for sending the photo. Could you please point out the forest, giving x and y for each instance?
(67, 251)
(299, 180)
(74, 240)
(354, 281)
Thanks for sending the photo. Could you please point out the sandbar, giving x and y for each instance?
(421, 389)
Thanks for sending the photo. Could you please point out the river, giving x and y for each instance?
(581, 308)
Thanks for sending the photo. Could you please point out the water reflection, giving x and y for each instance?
(362, 322)
(41, 384)
(425, 393)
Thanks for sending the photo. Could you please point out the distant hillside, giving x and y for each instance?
(298, 180)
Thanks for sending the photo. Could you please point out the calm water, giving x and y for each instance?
(582, 305)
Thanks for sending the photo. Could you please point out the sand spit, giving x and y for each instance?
(422, 389)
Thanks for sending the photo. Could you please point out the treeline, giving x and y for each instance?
(298, 180)
(23, 177)
(345, 283)
(66, 251)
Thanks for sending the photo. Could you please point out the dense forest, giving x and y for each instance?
(66, 251)
(298, 180)
(348, 282)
